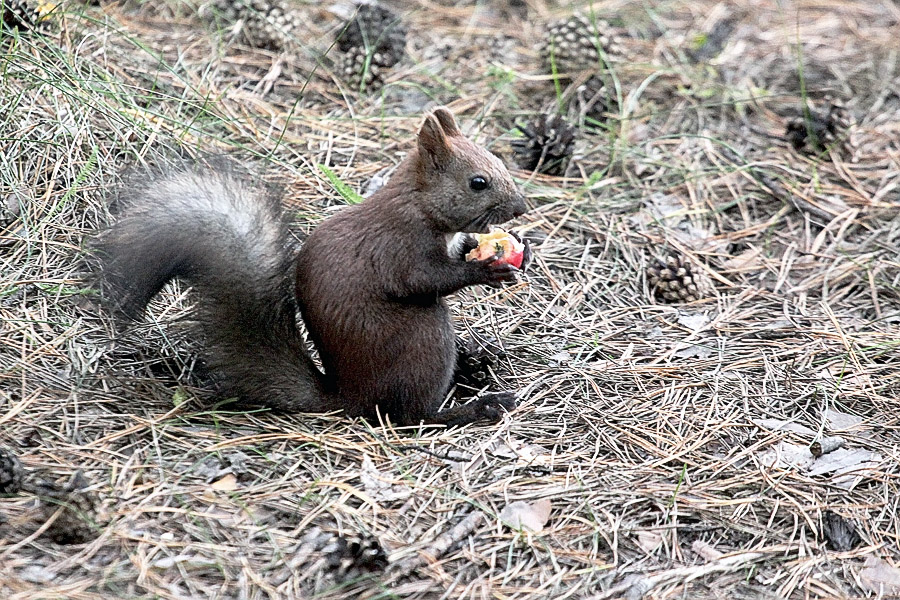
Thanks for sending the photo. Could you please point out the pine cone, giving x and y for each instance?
(375, 30)
(501, 48)
(593, 100)
(547, 144)
(25, 14)
(671, 280)
(11, 472)
(840, 533)
(574, 44)
(822, 130)
(264, 23)
(352, 558)
(362, 73)
(474, 359)
(75, 523)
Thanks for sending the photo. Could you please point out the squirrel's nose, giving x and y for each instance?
(518, 207)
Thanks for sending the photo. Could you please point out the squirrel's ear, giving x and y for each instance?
(448, 123)
(434, 146)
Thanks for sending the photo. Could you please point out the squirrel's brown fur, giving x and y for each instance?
(369, 281)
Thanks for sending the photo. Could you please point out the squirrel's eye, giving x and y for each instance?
(478, 183)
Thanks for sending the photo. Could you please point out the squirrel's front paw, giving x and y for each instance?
(527, 253)
(493, 405)
(494, 272)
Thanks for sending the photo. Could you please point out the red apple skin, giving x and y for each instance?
(514, 256)
(506, 249)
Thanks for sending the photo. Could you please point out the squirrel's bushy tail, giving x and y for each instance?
(229, 241)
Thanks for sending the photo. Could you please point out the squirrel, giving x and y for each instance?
(369, 282)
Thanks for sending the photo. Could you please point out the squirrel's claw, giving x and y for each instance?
(496, 272)
(527, 254)
(493, 405)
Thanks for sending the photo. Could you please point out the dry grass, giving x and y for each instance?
(652, 429)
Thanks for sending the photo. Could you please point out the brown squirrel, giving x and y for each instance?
(369, 282)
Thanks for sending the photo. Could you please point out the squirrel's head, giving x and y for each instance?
(466, 188)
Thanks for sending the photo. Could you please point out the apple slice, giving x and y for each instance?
(501, 244)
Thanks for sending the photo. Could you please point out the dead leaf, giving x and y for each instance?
(845, 379)
(779, 425)
(694, 322)
(525, 454)
(687, 350)
(776, 324)
(748, 260)
(649, 541)
(505, 450)
(708, 553)
(526, 516)
(37, 574)
(843, 460)
(787, 456)
(227, 483)
(666, 207)
(849, 465)
(560, 358)
(379, 486)
(699, 238)
(841, 421)
(880, 577)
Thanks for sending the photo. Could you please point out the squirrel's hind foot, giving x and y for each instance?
(488, 407)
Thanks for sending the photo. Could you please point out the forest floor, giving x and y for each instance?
(660, 450)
